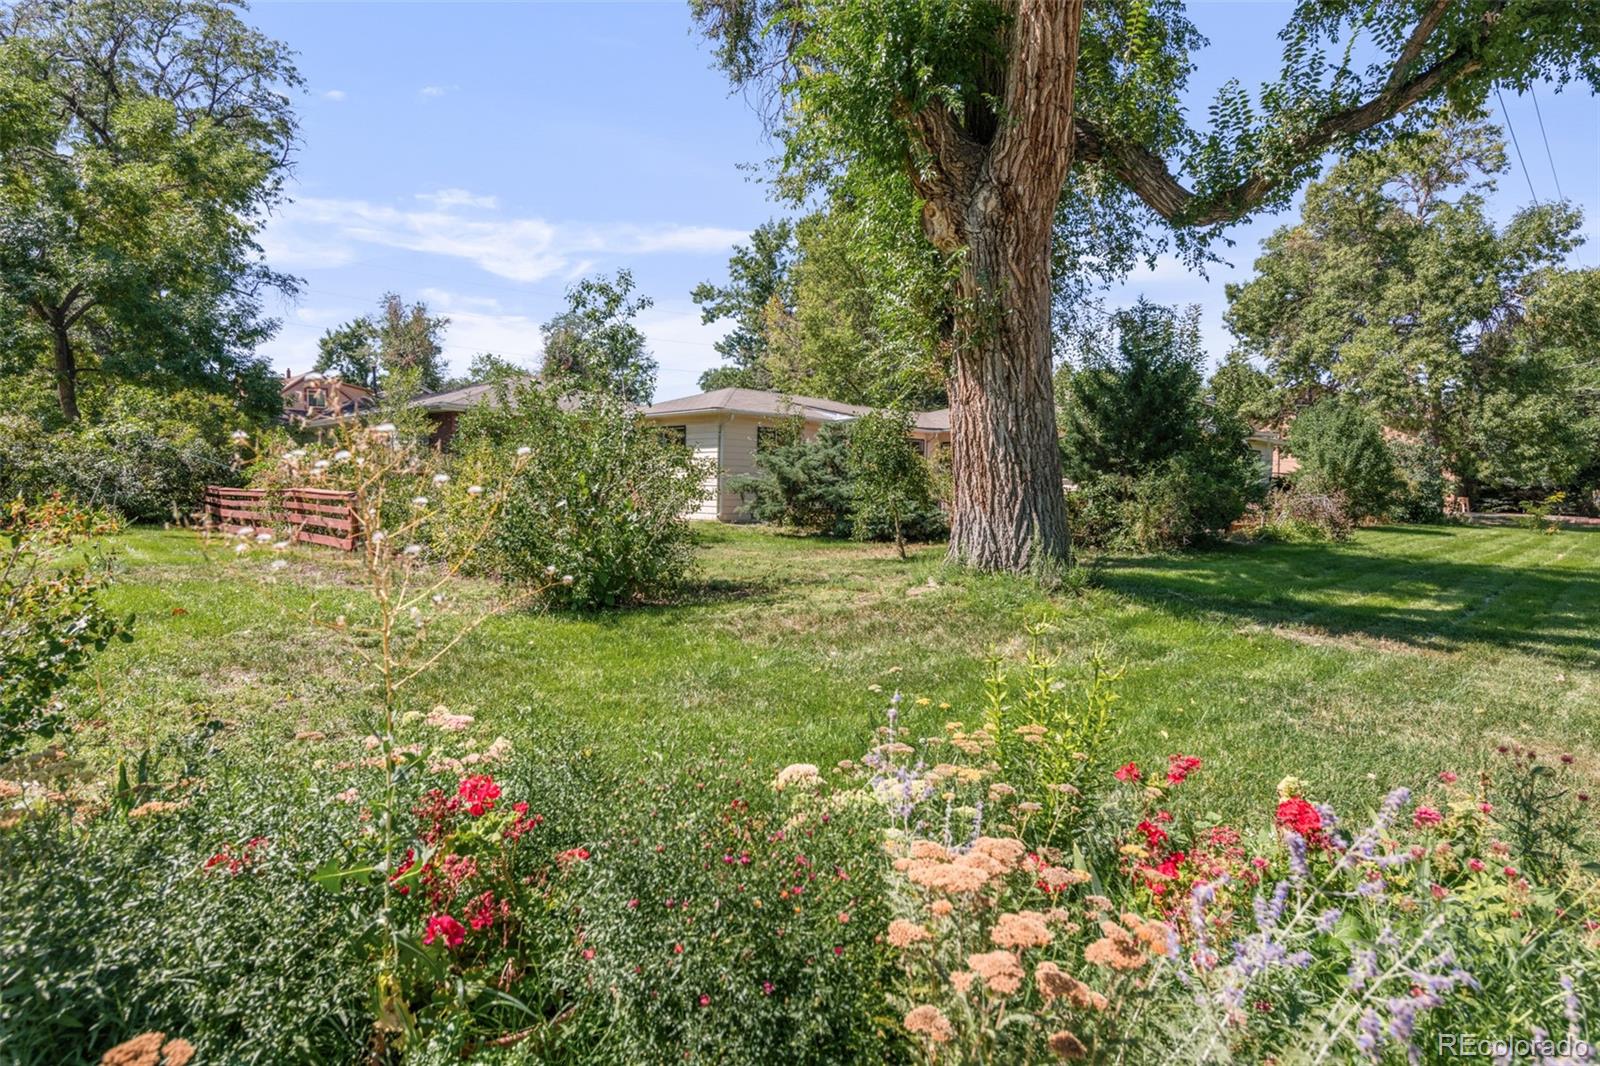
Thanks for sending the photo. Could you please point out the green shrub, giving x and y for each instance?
(891, 484)
(801, 483)
(1420, 488)
(1185, 499)
(1300, 514)
(600, 496)
(1342, 451)
(52, 617)
(142, 453)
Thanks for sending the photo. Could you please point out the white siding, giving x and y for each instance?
(703, 438)
(738, 459)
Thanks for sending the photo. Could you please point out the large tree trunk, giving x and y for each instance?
(1009, 511)
(66, 370)
(992, 200)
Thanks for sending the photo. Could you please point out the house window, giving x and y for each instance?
(920, 445)
(314, 398)
(678, 435)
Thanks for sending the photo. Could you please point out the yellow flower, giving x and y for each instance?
(923, 701)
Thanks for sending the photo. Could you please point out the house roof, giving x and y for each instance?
(467, 396)
(756, 402)
(778, 404)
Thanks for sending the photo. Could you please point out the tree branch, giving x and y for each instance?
(1034, 147)
(1151, 179)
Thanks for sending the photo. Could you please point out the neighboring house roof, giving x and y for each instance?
(467, 396)
(933, 421)
(341, 397)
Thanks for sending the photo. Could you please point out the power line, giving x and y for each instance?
(1514, 144)
(1540, 115)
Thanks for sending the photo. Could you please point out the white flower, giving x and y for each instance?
(280, 564)
(263, 538)
(549, 571)
(320, 464)
(566, 579)
(440, 479)
(240, 549)
(476, 490)
(524, 450)
(280, 545)
(239, 434)
(383, 427)
(246, 531)
(419, 501)
(379, 536)
(413, 549)
(797, 775)
(341, 455)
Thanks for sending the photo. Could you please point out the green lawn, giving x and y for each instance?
(1401, 653)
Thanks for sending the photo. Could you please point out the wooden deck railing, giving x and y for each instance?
(313, 516)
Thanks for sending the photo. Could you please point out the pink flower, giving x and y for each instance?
(1128, 772)
(1448, 777)
(588, 953)
(705, 1000)
(1180, 767)
(442, 925)
(1423, 817)
(479, 792)
(766, 988)
(1475, 865)
(480, 914)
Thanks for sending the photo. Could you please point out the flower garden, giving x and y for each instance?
(399, 833)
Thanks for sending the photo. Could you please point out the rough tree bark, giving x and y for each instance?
(66, 372)
(994, 204)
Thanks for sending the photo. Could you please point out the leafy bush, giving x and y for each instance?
(801, 483)
(1342, 452)
(52, 618)
(143, 454)
(181, 909)
(597, 494)
(891, 484)
(1300, 514)
(1191, 496)
(1420, 488)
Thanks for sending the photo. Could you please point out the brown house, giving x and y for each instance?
(316, 395)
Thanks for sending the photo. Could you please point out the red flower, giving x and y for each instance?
(480, 913)
(442, 925)
(1425, 816)
(1296, 814)
(403, 869)
(1154, 835)
(1129, 772)
(1475, 865)
(1180, 767)
(705, 1001)
(572, 855)
(479, 792)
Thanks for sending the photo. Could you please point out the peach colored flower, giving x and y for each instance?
(1000, 970)
(1117, 949)
(1066, 1046)
(1056, 983)
(902, 934)
(1153, 935)
(930, 1021)
(145, 810)
(941, 908)
(150, 1049)
(1021, 930)
(962, 980)
(928, 849)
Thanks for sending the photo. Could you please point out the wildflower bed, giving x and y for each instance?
(804, 816)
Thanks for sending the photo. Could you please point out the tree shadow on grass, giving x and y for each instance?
(1323, 593)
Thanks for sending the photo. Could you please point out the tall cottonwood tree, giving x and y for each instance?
(1036, 131)
(142, 143)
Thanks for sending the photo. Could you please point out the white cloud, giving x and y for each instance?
(444, 199)
(334, 94)
(432, 91)
(316, 232)
(682, 345)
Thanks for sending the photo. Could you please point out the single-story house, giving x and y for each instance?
(1268, 444)
(727, 426)
(315, 395)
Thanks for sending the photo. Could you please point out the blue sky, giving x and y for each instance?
(483, 156)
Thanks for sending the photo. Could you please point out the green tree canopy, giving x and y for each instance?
(1397, 290)
(757, 276)
(1038, 137)
(594, 344)
(399, 347)
(1134, 402)
(142, 144)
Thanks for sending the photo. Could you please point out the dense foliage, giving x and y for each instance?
(53, 618)
(600, 495)
(1397, 291)
(1341, 450)
(594, 345)
(1154, 466)
(141, 147)
(401, 342)
(891, 484)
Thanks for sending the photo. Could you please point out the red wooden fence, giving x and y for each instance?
(314, 516)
